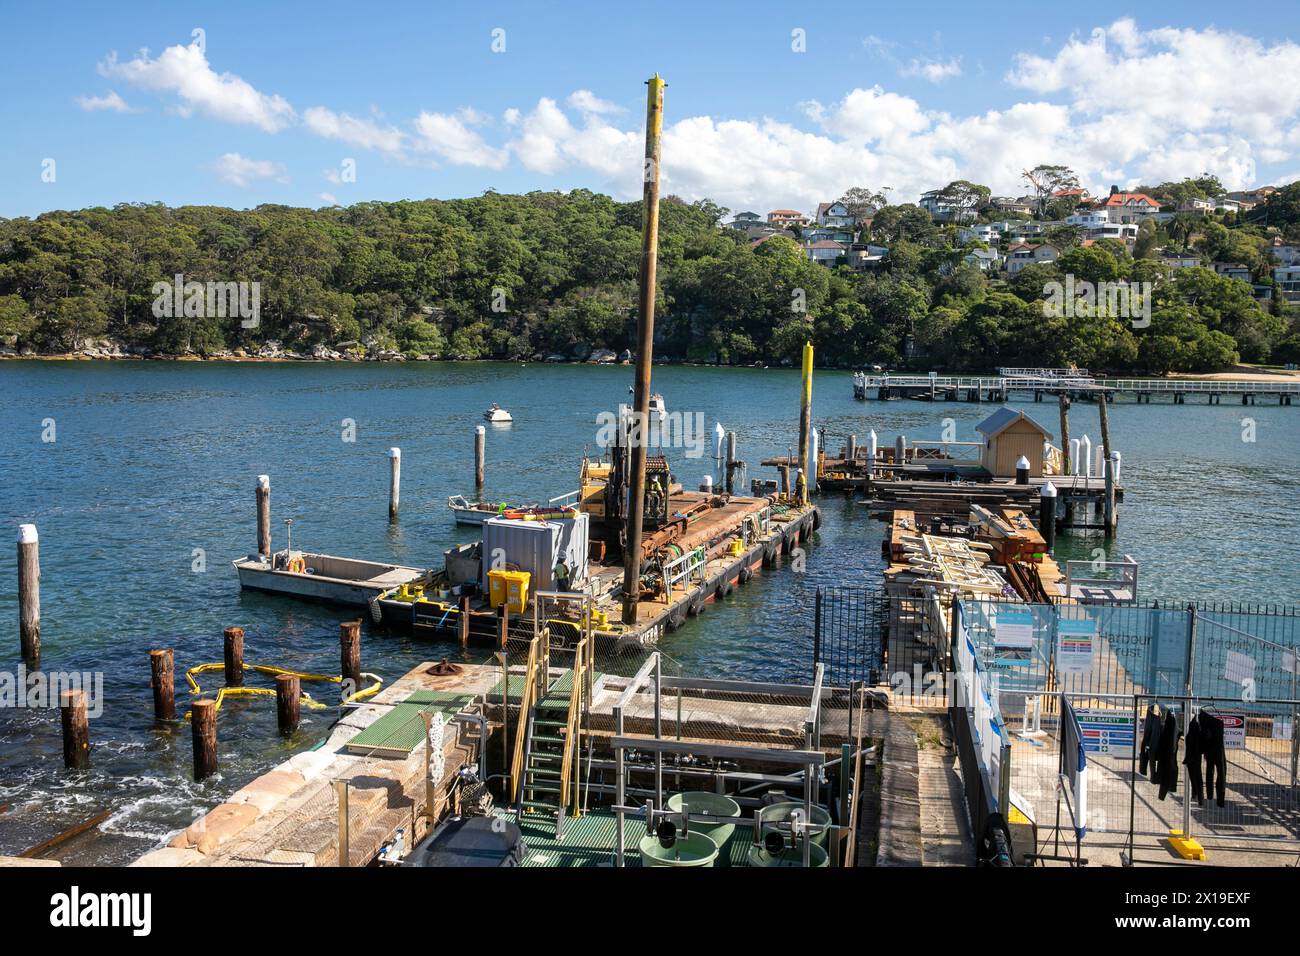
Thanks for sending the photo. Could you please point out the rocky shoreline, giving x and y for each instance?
(107, 349)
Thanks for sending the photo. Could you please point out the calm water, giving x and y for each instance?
(152, 461)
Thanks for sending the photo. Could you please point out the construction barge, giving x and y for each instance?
(562, 564)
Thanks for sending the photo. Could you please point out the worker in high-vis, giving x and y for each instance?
(801, 487)
(562, 576)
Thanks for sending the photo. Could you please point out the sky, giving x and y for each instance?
(768, 104)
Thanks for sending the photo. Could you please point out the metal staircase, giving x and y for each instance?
(547, 747)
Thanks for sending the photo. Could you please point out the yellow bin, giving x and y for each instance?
(509, 588)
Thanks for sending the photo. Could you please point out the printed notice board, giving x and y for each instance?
(1014, 630)
(1106, 732)
(1234, 731)
(1076, 645)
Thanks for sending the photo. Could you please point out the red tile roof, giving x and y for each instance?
(1124, 199)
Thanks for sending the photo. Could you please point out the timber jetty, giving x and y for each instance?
(1074, 383)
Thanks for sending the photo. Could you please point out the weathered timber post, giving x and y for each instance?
(264, 515)
(287, 693)
(350, 656)
(394, 481)
(162, 673)
(480, 452)
(463, 620)
(233, 638)
(29, 594)
(76, 730)
(203, 723)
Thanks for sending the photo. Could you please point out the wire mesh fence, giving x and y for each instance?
(1123, 667)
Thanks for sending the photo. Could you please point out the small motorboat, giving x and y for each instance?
(497, 414)
(658, 411)
(473, 512)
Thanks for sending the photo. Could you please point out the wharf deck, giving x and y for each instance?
(288, 817)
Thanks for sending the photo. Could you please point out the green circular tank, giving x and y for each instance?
(695, 850)
(790, 856)
(715, 805)
(777, 817)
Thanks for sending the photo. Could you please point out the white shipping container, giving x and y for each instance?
(536, 547)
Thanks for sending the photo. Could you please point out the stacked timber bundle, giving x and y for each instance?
(950, 497)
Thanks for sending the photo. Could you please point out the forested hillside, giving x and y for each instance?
(516, 277)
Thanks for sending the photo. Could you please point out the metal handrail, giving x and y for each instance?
(526, 697)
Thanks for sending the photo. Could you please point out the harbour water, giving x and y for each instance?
(146, 493)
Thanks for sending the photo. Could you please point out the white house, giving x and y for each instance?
(835, 214)
(986, 233)
(744, 220)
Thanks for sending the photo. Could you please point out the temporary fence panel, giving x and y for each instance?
(867, 636)
(1112, 663)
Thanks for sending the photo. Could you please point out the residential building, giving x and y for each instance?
(1179, 260)
(1129, 207)
(1196, 206)
(986, 260)
(1224, 204)
(825, 252)
(1248, 199)
(1022, 254)
(986, 233)
(832, 233)
(744, 220)
(835, 214)
(1232, 270)
(868, 256)
(1286, 253)
(1288, 278)
(1007, 204)
(786, 218)
(942, 211)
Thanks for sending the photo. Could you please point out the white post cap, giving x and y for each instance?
(1022, 462)
(1049, 490)
(27, 534)
(480, 430)
(264, 481)
(397, 452)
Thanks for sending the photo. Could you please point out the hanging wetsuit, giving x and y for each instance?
(1216, 761)
(1192, 752)
(1167, 756)
(1151, 728)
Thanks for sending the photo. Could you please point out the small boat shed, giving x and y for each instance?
(1009, 434)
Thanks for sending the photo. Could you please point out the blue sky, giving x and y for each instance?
(278, 96)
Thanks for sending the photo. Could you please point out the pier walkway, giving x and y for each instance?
(934, 387)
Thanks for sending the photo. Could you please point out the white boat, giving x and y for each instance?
(658, 411)
(497, 414)
(322, 577)
(471, 512)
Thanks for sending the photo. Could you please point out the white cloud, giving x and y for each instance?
(451, 138)
(184, 72)
(353, 131)
(587, 102)
(936, 71)
(241, 171)
(109, 101)
(1179, 79)
(329, 199)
